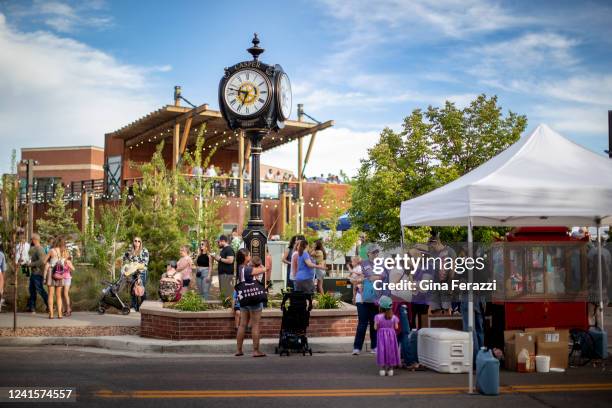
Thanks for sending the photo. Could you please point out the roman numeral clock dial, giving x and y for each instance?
(246, 92)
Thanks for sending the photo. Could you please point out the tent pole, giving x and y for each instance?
(471, 309)
(600, 276)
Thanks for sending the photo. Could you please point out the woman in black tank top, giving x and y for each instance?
(203, 269)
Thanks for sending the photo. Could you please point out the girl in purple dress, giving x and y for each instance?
(387, 350)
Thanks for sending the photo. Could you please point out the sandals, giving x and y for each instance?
(239, 354)
(259, 355)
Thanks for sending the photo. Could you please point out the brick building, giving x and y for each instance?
(66, 164)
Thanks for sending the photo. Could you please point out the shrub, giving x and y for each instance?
(327, 301)
(191, 302)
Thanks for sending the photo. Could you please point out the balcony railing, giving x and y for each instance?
(45, 192)
(227, 186)
(219, 186)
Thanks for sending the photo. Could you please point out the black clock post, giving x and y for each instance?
(255, 97)
(255, 235)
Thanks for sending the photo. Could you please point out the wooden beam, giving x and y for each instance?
(309, 150)
(175, 145)
(84, 211)
(313, 129)
(153, 132)
(247, 152)
(186, 131)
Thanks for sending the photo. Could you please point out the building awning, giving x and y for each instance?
(159, 125)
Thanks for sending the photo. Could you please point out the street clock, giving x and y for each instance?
(256, 98)
(254, 95)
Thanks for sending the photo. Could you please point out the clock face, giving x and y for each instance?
(285, 96)
(247, 92)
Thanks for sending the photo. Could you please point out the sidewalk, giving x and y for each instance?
(79, 324)
(139, 344)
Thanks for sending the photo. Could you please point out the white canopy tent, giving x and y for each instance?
(543, 179)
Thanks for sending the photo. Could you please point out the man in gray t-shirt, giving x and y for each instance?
(37, 270)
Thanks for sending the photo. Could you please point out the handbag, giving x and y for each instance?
(250, 293)
(139, 289)
(369, 293)
(58, 271)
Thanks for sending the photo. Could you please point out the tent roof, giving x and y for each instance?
(543, 179)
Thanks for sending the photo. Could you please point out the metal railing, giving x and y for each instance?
(45, 192)
(220, 186)
(227, 186)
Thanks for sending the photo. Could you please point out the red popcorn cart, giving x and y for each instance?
(543, 275)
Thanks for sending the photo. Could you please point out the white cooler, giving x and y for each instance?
(444, 350)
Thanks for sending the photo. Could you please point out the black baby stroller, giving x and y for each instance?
(130, 274)
(294, 323)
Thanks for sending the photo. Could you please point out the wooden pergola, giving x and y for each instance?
(179, 125)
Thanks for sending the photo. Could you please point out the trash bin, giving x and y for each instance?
(339, 285)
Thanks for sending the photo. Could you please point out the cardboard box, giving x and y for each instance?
(513, 347)
(537, 330)
(554, 344)
(509, 334)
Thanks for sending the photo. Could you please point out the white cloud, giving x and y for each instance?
(452, 18)
(321, 99)
(63, 17)
(57, 91)
(573, 119)
(334, 149)
(523, 54)
(583, 88)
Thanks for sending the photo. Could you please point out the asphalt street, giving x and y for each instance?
(104, 379)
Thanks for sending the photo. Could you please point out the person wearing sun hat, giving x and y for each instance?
(387, 349)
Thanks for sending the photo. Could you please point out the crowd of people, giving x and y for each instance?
(330, 178)
(50, 271)
(270, 175)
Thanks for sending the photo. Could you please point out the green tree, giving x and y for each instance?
(195, 203)
(153, 216)
(58, 219)
(433, 148)
(12, 217)
(105, 240)
(336, 241)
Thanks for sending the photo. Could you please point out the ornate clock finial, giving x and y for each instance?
(255, 50)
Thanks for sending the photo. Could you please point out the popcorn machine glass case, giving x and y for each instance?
(542, 281)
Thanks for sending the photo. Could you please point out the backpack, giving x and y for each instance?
(583, 347)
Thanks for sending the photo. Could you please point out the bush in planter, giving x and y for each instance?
(327, 301)
(191, 302)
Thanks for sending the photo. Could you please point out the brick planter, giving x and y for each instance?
(159, 323)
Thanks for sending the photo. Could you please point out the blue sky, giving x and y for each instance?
(71, 71)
